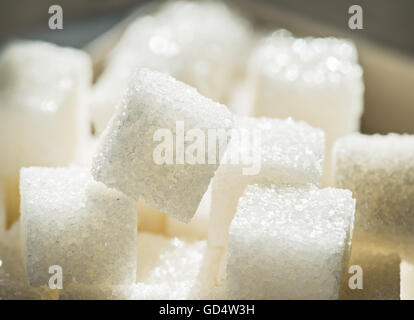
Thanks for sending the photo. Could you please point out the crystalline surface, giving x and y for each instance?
(290, 152)
(300, 238)
(70, 220)
(129, 157)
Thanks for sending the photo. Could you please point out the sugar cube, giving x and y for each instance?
(288, 152)
(160, 108)
(407, 280)
(72, 221)
(203, 44)
(379, 170)
(42, 114)
(13, 282)
(2, 215)
(380, 275)
(289, 243)
(317, 80)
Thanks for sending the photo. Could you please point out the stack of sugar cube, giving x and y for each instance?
(202, 44)
(42, 113)
(317, 80)
(173, 196)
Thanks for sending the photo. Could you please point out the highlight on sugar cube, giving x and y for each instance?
(206, 150)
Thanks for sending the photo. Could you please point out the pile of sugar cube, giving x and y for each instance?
(190, 158)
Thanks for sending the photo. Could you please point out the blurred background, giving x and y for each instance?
(386, 44)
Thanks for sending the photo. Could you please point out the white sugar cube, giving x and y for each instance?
(72, 221)
(317, 80)
(281, 152)
(168, 268)
(2, 215)
(150, 219)
(203, 44)
(13, 282)
(289, 243)
(197, 229)
(407, 280)
(42, 113)
(379, 170)
(166, 174)
(380, 275)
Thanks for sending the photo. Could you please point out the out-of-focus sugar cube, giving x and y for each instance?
(150, 219)
(197, 229)
(241, 98)
(72, 221)
(13, 281)
(168, 268)
(380, 275)
(289, 243)
(203, 44)
(407, 280)
(317, 80)
(42, 115)
(274, 151)
(379, 170)
(2, 215)
(132, 159)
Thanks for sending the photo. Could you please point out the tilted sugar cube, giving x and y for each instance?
(272, 151)
(379, 170)
(72, 221)
(380, 275)
(407, 280)
(299, 237)
(42, 113)
(317, 80)
(132, 159)
(203, 44)
(13, 281)
(150, 219)
(168, 268)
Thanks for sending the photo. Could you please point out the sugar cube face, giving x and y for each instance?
(42, 114)
(197, 229)
(317, 80)
(407, 280)
(291, 152)
(300, 238)
(159, 106)
(13, 282)
(202, 44)
(380, 275)
(72, 221)
(379, 170)
(168, 268)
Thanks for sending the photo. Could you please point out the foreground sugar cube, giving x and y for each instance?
(271, 151)
(72, 221)
(300, 238)
(317, 80)
(42, 113)
(379, 170)
(203, 44)
(380, 275)
(169, 268)
(145, 149)
(13, 281)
